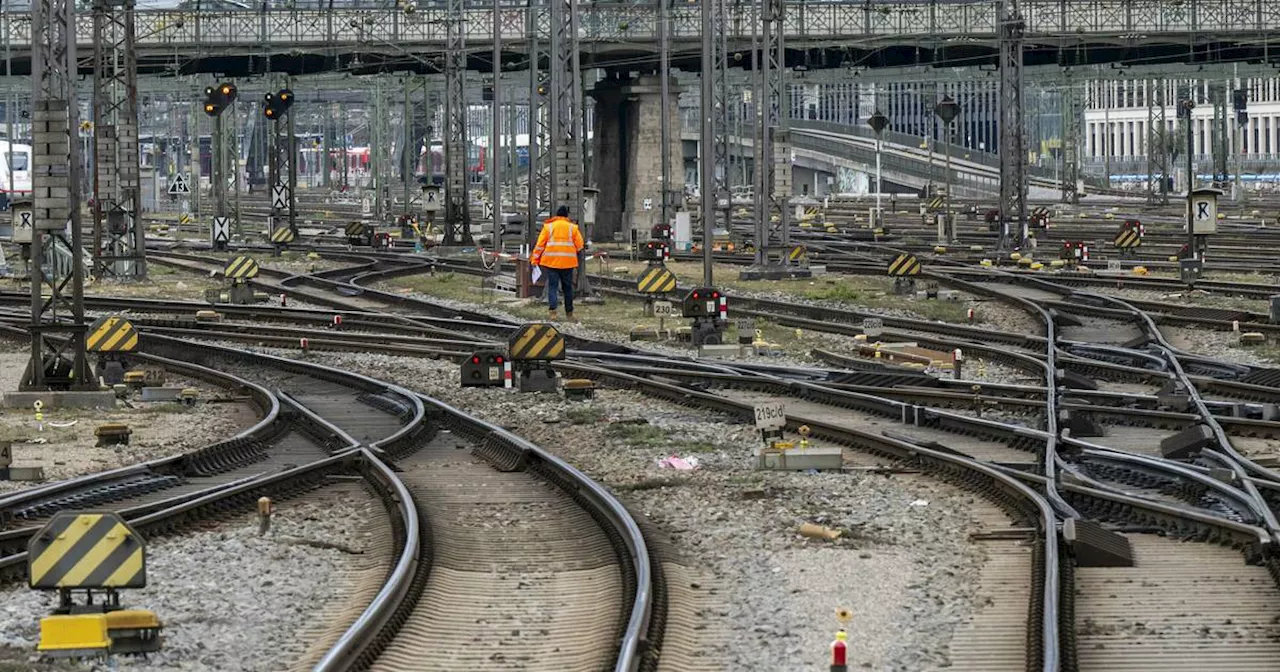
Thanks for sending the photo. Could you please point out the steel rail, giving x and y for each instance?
(268, 406)
(1047, 653)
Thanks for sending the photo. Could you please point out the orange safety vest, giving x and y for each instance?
(558, 244)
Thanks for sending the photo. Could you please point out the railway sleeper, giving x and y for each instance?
(223, 457)
(282, 486)
(1171, 524)
(97, 495)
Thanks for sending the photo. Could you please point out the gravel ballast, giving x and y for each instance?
(65, 444)
(903, 565)
(1219, 345)
(228, 599)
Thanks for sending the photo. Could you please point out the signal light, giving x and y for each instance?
(217, 99)
(277, 104)
(475, 360)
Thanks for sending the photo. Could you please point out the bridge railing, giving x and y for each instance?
(629, 24)
(895, 163)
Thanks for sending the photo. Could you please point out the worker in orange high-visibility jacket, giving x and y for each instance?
(557, 254)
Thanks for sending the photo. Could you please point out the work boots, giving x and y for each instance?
(553, 315)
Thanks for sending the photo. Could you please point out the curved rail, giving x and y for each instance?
(505, 447)
(353, 644)
(1002, 486)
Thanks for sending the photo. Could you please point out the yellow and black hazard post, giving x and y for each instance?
(99, 554)
(280, 239)
(799, 256)
(1127, 240)
(903, 269)
(531, 349)
(240, 271)
(110, 336)
(656, 280)
(359, 233)
(656, 283)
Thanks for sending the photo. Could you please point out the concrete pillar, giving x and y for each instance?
(628, 153)
(609, 157)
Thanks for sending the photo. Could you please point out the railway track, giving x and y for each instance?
(1041, 611)
(564, 531)
(521, 575)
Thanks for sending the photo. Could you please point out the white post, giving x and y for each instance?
(879, 183)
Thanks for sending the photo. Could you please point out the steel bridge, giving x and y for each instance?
(612, 30)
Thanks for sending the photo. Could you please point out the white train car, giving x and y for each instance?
(15, 178)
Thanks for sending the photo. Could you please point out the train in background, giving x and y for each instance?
(15, 177)
(428, 170)
(431, 161)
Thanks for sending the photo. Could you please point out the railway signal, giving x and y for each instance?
(487, 368)
(1074, 251)
(218, 98)
(277, 104)
(1040, 217)
(1240, 102)
(709, 308)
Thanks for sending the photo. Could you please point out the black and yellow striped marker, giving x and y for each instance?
(111, 333)
(904, 264)
(937, 202)
(86, 550)
(241, 268)
(656, 280)
(798, 253)
(1128, 239)
(536, 341)
(355, 229)
(282, 235)
(184, 218)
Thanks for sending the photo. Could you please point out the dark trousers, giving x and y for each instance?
(559, 279)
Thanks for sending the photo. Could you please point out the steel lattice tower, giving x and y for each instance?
(565, 109)
(776, 112)
(119, 248)
(457, 202)
(282, 172)
(539, 129)
(57, 322)
(1070, 141)
(1158, 164)
(1013, 137)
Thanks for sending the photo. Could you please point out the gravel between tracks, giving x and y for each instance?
(1216, 344)
(808, 339)
(229, 599)
(905, 565)
(159, 429)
